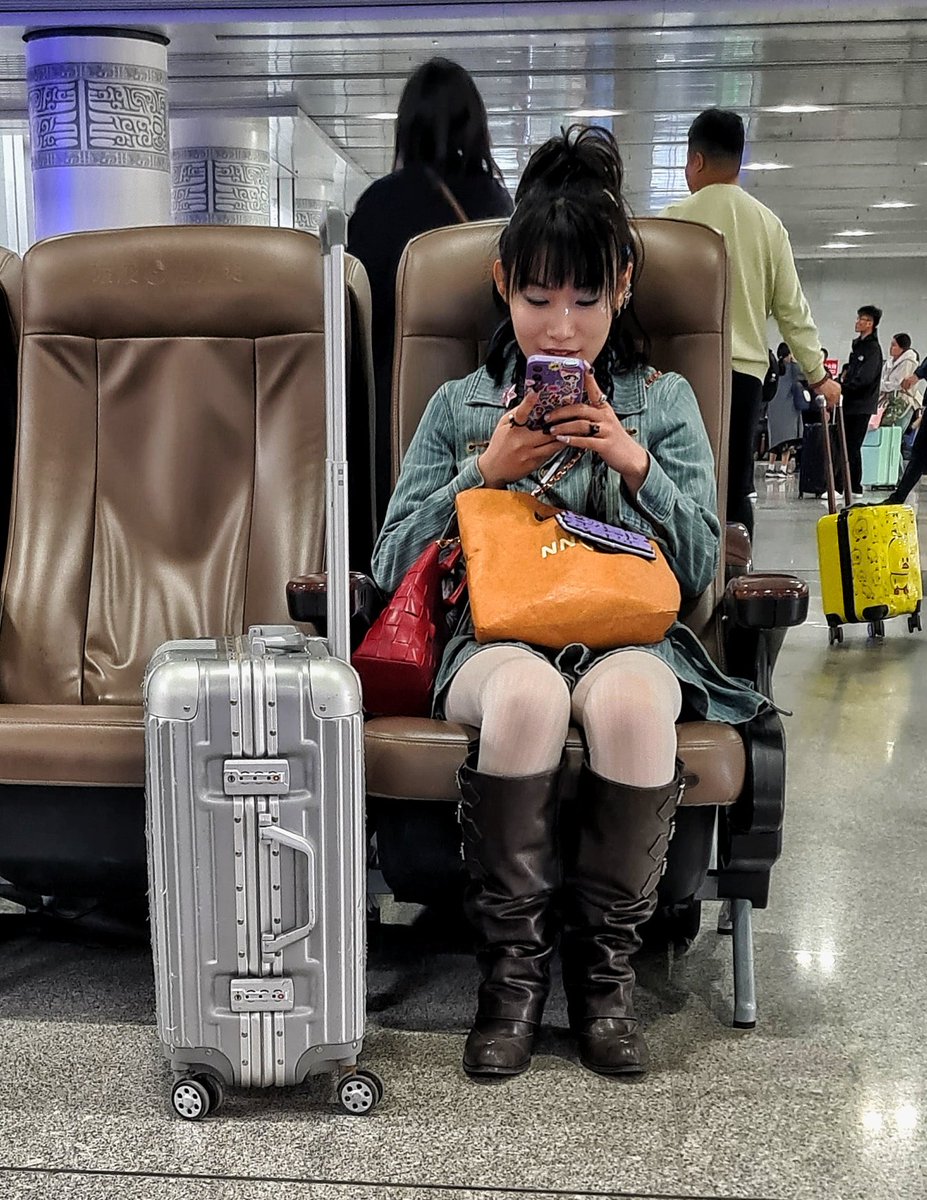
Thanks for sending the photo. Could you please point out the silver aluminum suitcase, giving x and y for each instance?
(255, 825)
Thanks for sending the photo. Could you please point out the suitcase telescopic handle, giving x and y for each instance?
(333, 235)
(271, 944)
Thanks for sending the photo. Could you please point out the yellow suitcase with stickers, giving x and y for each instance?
(869, 559)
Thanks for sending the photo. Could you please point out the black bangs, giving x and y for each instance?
(560, 242)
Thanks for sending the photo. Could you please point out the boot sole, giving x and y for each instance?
(614, 1072)
(494, 1075)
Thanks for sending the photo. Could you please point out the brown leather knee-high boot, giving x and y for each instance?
(509, 836)
(614, 847)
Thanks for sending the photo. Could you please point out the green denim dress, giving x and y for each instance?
(676, 507)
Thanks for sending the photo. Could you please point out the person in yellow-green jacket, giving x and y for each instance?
(764, 284)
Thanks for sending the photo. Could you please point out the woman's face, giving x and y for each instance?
(894, 349)
(561, 321)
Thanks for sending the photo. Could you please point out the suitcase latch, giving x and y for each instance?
(256, 777)
(262, 995)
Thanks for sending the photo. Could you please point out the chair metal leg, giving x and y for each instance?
(744, 977)
(725, 923)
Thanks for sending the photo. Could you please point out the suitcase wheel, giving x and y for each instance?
(834, 634)
(876, 629)
(360, 1093)
(191, 1099)
(216, 1091)
(914, 623)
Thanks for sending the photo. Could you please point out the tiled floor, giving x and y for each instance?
(826, 1098)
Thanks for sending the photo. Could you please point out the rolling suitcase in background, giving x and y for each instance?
(255, 826)
(812, 470)
(869, 557)
(881, 455)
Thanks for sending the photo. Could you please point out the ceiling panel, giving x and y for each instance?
(655, 65)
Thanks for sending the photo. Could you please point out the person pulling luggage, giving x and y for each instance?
(917, 463)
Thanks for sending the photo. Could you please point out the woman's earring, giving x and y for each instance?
(626, 299)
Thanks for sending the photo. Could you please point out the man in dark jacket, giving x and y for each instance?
(861, 376)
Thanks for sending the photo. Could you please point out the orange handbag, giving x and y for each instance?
(529, 581)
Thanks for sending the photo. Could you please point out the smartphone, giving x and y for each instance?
(606, 537)
(556, 382)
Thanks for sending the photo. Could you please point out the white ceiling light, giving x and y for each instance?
(855, 233)
(766, 166)
(380, 116)
(894, 204)
(798, 108)
(837, 246)
(596, 112)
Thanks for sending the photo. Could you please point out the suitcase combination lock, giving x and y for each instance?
(256, 777)
(262, 995)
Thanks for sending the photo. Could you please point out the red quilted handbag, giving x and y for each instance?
(398, 660)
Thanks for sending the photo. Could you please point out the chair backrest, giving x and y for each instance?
(171, 443)
(10, 322)
(446, 313)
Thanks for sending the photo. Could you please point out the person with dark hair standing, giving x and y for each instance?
(764, 283)
(917, 464)
(896, 405)
(443, 172)
(784, 414)
(860, 379)
(635, 451)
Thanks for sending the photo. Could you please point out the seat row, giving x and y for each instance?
(169, 483)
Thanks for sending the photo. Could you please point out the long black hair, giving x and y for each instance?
(441, 122)
(571, 226)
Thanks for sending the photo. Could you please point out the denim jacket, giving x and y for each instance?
(676, 506)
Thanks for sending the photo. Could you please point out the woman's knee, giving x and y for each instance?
(529, 696)
(632, 699)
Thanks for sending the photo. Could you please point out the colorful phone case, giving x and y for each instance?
(557, 382)
(606, 537)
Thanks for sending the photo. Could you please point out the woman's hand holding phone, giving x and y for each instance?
(514, 450)
(595, 426)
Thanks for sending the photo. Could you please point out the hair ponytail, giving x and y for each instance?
(583, 156)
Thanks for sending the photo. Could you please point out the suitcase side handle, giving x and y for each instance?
(267, 639)
(271, 944)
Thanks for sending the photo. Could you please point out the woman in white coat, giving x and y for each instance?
(897, 405)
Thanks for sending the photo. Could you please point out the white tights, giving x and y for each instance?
(627, 704)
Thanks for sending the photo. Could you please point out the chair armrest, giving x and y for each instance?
(738, 550)
(306, 598)
(765, 601)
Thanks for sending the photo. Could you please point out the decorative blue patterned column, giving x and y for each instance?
(220, 171)
(99, 129)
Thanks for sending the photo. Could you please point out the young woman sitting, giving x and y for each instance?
(634, 453)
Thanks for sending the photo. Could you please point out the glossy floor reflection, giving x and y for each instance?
(826, 1098)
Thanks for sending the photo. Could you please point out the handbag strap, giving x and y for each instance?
(559, 474)
(453, 203)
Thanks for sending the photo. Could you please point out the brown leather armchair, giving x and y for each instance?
(169, 482)
(734, 813)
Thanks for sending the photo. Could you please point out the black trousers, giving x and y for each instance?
(857, 426)
(746, 408)
(916, 467)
